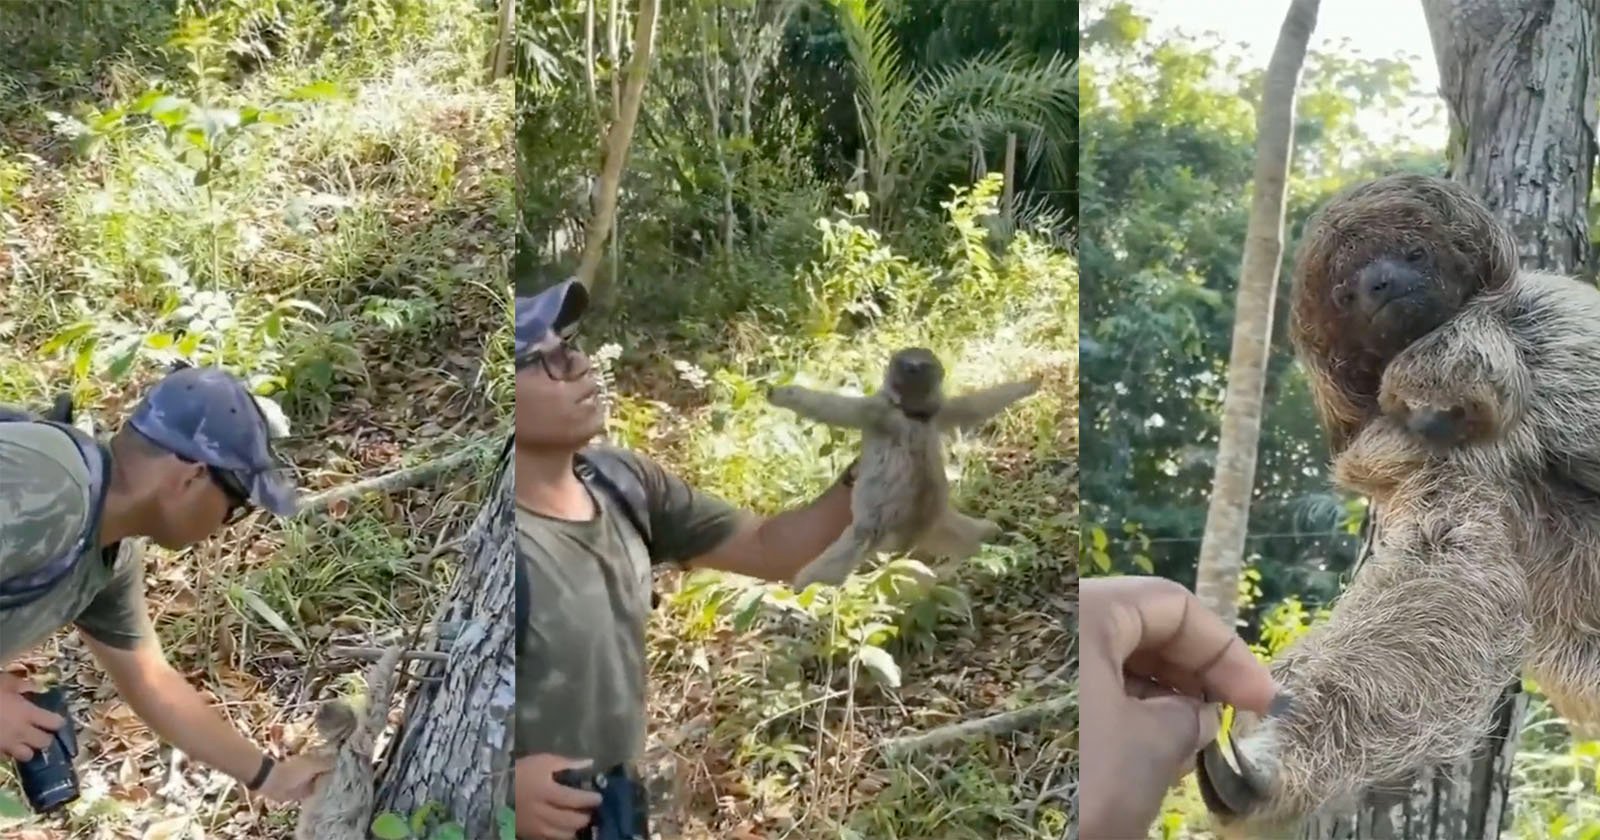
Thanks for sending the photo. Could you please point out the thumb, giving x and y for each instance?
(1185, 725)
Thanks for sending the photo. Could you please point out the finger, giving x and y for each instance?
(19, 751)
(36, 738)
(1160, 616)
(571, 799)
(1152, 665)
(44, 719)
(1143, 687)
(1187, 725)
(562, 819)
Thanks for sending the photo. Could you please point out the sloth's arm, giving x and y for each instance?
(1403, 675)
(973, 409)
(1464, 383)
(832, 409)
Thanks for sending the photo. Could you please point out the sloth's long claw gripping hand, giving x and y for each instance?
(973, 409)
(1404, 675)
(833, 409)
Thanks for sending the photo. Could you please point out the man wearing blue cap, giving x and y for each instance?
(591, 523)
(193, 458)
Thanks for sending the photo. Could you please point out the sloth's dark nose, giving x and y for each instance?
(1384, 281)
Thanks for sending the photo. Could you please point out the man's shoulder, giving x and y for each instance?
(42, 472)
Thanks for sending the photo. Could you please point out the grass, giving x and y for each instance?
(348, 256)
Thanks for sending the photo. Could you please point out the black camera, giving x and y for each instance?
(49, 781)
(624, 811)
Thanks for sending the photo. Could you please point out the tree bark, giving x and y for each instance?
(617, 141)
(1519, 79)
(1228, 516)
(454, 747)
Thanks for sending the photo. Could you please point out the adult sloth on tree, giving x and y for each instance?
(1462, 396)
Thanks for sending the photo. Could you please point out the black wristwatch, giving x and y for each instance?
(848, 479)
(261, 775)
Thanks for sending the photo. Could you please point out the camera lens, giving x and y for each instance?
(48, 779)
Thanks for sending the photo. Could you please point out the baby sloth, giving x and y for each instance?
(901, 500)
(341, 807)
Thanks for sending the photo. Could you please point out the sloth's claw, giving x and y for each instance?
(1226, 792)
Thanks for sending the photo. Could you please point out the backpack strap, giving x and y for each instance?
(600, 466)
(26, 588)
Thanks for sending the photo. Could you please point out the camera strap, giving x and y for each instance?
(24, 589)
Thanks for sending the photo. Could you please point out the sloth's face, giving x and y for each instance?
(914, 379)
(1393, 259)
(1395, 297)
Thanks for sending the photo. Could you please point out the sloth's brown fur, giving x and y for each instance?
(341, 807)
(900, 501)
(1488, 559)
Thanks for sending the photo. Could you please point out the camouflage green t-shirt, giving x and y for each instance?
(44, 498)
(581, 666)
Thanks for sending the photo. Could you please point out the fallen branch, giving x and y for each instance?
(399, 479)
(372, 654)
(1000, 724)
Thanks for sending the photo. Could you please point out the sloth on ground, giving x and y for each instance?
(901, 499)
(1461, 394)
(341, 807)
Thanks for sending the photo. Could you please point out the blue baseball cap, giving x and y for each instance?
(552, 311)
(206, 415)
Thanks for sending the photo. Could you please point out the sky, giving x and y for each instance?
(1373, 28)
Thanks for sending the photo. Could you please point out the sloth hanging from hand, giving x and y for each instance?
(901, 499)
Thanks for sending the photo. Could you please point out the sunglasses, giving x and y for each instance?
(238, 495)
(563, 363)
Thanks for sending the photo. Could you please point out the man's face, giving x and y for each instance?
(193, 504)
(558, 404)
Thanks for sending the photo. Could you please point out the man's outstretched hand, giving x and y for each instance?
(24, 727)
(1153, 663)
(294, 779)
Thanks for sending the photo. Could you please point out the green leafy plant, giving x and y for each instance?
(429, 823)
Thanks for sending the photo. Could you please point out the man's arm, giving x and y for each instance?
(703, 531)
(774, 548)
(174, 710)
(117, 630)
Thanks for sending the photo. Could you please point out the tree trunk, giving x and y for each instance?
(1228, 517)
(1520, 80)
(505, 41)
(617, 140)
(454, 747)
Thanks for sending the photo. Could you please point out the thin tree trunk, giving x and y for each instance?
(1228, 517)
(617, 140)
(454, 747)
(588, 69)
(1519, 77)
(505, 41)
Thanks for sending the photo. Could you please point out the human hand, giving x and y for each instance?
(294, 779)
(24, 727)
(547, 809)
(1153, 663)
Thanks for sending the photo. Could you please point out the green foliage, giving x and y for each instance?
(915, 126)
(429, 823)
